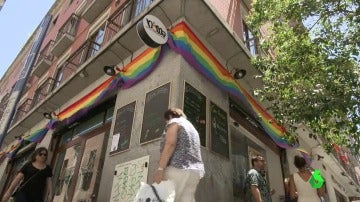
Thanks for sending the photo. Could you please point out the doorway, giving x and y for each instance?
(78, 167)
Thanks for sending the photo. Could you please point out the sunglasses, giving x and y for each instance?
(43, 154)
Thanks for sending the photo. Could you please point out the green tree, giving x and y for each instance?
(314, 77)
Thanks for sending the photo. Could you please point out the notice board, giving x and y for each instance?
(156, 103)
(123, 127)
(127, 178)
(219, 130)
(195, 110)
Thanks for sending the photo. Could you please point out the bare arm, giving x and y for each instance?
(170, 144)
(12, 186)
(169, 147)
(256, 193)
(292, 186)
(48, 190)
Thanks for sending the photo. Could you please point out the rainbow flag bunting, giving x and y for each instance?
(184, 42)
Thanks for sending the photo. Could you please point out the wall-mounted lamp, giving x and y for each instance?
(47, 115)
(319, 157)
(83, 74)
(239, 73)
(110, 70)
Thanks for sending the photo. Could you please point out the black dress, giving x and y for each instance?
(35, 183)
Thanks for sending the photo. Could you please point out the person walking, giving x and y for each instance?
(300, 186)
(35, 177)
(180, 159)
(255, 184)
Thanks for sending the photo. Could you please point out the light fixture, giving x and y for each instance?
(109, 70)
(239, 73)
(343, 173)
(83, 74)
(47, 115)
(351, 183)
(319, 157)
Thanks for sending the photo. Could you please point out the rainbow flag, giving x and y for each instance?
(307, 156)
(11, 152)
(184, 42)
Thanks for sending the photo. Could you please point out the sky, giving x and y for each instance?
(18, 20)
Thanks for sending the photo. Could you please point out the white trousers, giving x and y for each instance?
(185, 182)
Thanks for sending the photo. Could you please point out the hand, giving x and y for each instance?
(6, 197)
(159, 176)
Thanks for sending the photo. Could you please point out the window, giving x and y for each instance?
(58, 77)
(96, 41)
(141, 5)
(250, 40)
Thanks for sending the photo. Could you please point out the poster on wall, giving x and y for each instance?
(195, 110)
(156, 103)
(123, 127)
(219, 131)
(127, 178)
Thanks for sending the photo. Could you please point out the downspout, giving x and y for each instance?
(21, 82)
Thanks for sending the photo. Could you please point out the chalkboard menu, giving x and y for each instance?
(219, 130)
(122, 129)
(156, 103)
(195, 110)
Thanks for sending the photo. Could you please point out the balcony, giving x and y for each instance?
(22, 110)
(43, 91)
(44, 60)
(65, 36)
(93, 9)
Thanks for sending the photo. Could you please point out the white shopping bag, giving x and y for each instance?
(165, 190)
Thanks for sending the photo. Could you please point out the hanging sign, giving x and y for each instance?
(152, 31)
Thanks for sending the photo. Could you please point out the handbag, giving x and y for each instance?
(163, 192)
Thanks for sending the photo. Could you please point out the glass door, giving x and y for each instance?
(78, 167)
(89, 172)
(64, 179)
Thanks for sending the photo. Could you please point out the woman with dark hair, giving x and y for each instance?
(300, 186)
(180, 159)
(34, 178)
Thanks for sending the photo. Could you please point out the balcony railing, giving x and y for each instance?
(44, 60)
(93, 8)
(63, 73)
(22, 110)
(66, 35)
(43, 91)
(118, 20)
(123, 15)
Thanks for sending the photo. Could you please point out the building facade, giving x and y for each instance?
(103, 131)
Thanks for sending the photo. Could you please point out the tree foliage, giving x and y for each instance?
(314, 77)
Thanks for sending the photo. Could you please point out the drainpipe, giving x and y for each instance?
(21, 82)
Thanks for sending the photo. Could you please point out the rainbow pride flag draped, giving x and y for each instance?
(307, 156)
(11, 152)
(184, 42)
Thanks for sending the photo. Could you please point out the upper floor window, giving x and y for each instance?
(250, 40)
(141, 5)
(96, 40)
